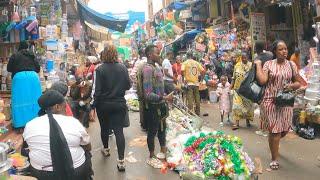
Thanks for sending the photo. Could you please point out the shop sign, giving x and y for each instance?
(258, 27)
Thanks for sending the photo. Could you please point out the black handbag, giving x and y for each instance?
(126, 118)
(285, 98)
(250, 88)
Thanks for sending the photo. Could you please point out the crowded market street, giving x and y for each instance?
(160, 89)
(301, 163)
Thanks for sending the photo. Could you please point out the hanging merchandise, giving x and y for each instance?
(15, 16)
(245, 11)
(216, 155)
(185, 14)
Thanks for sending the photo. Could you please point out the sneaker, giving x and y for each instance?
(260, 133)
(105, 152)
(155, 163)
(221, 124)
(161, 155)
(121, 165)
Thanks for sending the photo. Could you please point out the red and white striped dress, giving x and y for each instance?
(278, 119)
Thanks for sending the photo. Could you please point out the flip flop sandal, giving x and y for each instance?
(235, 127)
(155, 163)
(274, 165)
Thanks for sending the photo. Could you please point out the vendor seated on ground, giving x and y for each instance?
(59, 145)
(80, 98)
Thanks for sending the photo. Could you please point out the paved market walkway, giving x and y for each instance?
(298, 156)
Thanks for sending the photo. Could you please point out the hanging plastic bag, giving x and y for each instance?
(250, 88)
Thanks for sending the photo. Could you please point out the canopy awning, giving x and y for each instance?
(96, 18)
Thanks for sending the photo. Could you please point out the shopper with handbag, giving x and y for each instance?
(280, 77)
(110, 83)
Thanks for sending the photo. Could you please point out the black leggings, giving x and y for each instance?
(105, 127)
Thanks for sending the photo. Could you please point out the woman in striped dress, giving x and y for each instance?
(277, 75)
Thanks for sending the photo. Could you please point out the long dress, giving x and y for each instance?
(278, 119)
(242, 108)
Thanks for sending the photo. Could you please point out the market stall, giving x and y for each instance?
(200, 153)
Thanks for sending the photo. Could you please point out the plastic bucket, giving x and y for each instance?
(49, 65)
(213, 96)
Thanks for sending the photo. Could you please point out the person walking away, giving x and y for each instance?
(296, 58)
(156, 110)
(59, 145)
(168, 73)
(263, 56)
(242, 108)
(26, 86)
(273, 75)
(223, 92)
(191, 71)
(110, 84)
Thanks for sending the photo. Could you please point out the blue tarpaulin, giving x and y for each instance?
(96, 18)
(186, 37)
(178, 5)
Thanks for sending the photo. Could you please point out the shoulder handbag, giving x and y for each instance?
(250, 88)
(285, 98)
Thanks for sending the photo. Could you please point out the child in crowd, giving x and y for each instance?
(223, 93)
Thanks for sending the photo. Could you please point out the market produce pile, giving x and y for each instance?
(216, 155)
(133, 104)
(132, 100)
(204, 154)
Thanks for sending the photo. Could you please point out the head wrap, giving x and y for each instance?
(60, 87)
(61, 158)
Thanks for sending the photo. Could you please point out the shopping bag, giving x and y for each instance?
(250, 88)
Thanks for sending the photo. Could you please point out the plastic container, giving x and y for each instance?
(49, 65)
(213, 97)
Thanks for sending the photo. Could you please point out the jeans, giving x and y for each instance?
(193, 98)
